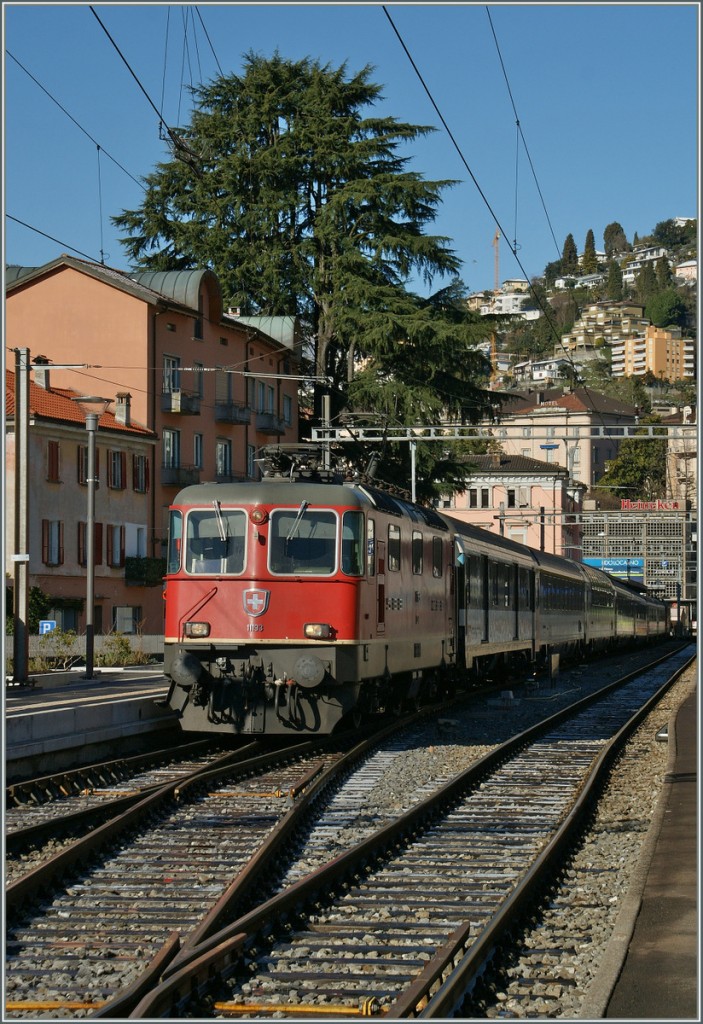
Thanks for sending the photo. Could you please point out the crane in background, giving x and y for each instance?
(496, 262)
(496, 289)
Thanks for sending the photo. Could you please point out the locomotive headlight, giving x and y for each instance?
(318, 631)
(258, 516)
(197, 629)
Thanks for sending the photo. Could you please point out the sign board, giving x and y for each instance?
(626, 505)
(621, 568)
(46, 626)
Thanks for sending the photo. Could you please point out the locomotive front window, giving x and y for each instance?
(215, 541)
(175, 536)
(303, 541)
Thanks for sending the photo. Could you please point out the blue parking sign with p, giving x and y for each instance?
(46, 626)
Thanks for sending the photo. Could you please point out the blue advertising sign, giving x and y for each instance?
(621, 568)
(46, 626)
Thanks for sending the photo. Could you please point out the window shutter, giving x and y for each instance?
(122, 539)
(147, 479)
(98, 543)
(45, 541)
(61, 543)
(123, 469)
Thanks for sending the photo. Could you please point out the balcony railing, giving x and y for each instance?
(232, 412)
(269, 423)
(179, 476)
(187, 403)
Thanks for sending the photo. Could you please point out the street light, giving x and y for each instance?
(93, 408)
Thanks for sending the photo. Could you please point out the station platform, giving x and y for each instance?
(63, 720)
(651, 969)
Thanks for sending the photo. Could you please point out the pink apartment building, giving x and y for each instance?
(521, 498)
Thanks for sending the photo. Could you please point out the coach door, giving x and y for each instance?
(381, 586)
(460, 582)
(486, 598)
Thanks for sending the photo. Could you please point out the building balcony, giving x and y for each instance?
(269, 423)
(179, 476)
(232, 412)
(186, 403)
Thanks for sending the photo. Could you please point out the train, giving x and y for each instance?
(303, 602)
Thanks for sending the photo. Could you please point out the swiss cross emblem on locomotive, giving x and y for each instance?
(255, 601)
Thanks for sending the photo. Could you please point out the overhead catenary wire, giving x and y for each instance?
(72, 118)
(181, 150)
(463, 159)
(520, 131)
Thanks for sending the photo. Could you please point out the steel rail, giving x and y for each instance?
(25, 791)
(191, 970)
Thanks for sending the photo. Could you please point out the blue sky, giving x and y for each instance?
(606, 96)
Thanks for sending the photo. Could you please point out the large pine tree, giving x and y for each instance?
(569, 257)
(303, 205)
(589, 264)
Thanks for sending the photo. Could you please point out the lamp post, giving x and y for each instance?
(93, 408)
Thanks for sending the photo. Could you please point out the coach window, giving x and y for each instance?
(353, 543)
(437, 566)
(417, 553)
(215, 541)
(393, 547)
(175, 535)
(371, 547)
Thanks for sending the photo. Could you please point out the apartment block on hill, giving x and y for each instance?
(662, 352)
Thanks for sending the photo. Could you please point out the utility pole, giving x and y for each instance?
(20, 638)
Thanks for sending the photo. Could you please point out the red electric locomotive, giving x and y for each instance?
(293, 604)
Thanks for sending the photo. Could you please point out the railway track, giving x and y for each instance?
(200, 865)
(43, 815)
(403, 924)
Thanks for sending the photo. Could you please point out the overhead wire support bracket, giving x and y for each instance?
(501, 432)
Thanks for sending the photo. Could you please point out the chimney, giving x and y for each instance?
(41, 372)
(123, 410)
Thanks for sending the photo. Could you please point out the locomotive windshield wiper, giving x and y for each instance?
(220, 521)
(294, 528)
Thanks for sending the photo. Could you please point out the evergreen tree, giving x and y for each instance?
(615, 239)
(304, 206)
(569, 257)
(614, 284)
(640, 468)
(589, 263)
(646, 282)
(666, 309)
(664, 275)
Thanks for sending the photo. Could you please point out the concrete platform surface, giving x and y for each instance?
(659, 978)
